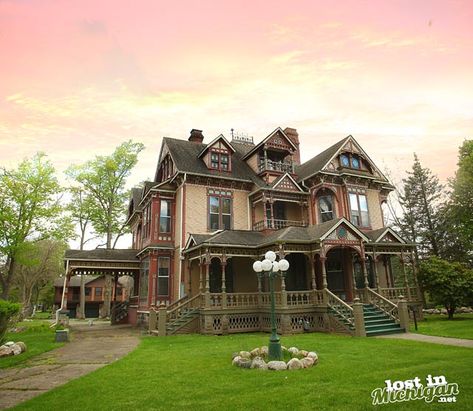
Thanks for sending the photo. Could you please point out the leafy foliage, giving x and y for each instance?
(30, 210)
(449, 284)
(103, 181)
(8, 311)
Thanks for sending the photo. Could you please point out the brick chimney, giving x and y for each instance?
(196, 136)
(294, 137)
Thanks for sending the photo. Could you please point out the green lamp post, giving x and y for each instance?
(271, 268)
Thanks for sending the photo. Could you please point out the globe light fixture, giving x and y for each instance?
(266, 264)
(270, 255)
(271, 268)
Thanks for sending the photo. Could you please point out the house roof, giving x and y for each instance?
(262, 142)
(102, 254)
(185, 156)
(219, 137)
(248, 238)
(376, 235)
(75, 280)
(318, 162)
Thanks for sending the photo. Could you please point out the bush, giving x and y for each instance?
(8, 311)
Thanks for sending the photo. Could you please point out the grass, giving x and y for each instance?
(195, 372)
(435, 324)
(38, 338)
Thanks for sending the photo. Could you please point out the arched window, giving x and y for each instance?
(325, 205)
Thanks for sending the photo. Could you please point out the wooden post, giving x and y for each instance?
(153, 320)
(403, 311)
(359, 317)
(162, 319)
(375, 271)
(207, 283)
(223, 265)
(312, 271)
(324, 272)
(283, 292)
(201, 276)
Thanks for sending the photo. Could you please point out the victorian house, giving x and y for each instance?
(215, 207)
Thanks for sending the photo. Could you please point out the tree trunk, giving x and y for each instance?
(450, 311)
(7, 279)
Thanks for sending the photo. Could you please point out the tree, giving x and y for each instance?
(458, 213)
(449, 284)
(104, 179)
(38, 265)
(30, 210)
(420, 199)
(81, 208)
(8, 311)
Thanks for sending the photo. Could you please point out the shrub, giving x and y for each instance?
(8, 311)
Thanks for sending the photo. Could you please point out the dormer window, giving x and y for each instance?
(219, 160)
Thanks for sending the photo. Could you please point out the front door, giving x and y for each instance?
(336, 273)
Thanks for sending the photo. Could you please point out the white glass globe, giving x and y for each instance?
(283, 264)
(266, 264)
(270, 255)
(257, 266)
(275, 266)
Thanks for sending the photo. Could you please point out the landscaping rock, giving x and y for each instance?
(307, 362)
(235, 354)
(303, 353)
(16, 349)
(294, 364)
(245, 354)
(313, 355)
(264, 350)
(9, 343)
(256, 352)
(259, 363)
(277, 365)
(244, 363)
(293, 350)
(5, 351)
(22, 345)
(236, 360)
(283, 348)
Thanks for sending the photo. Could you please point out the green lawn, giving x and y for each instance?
(194, 372)
(38, 338)
(460, 327)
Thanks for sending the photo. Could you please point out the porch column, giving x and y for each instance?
(324, 272)
(271, 204)
(375, 271)
(385, 263)
(207, 283)
(404, 274)
(189, 272)
(201, 276)
(223, 264)
(260, 297)
(312, 271)
(365, 272)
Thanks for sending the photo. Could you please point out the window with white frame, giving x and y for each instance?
(165, 216)
(359, 210)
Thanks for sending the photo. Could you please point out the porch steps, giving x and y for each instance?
(180, 323)
(379, 323)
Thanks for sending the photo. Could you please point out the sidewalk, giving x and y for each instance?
(458, 342)
(90, 348)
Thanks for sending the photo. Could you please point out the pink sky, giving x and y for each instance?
(79, 77)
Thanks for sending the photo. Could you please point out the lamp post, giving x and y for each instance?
(271, 268)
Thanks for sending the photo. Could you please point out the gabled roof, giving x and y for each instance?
(278, 181)
(102, 254)
(261, 143)
(220, 137)
(185, 157)
(317, 163)
(376, 236)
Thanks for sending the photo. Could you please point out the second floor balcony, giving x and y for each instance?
(281, 166)
(276, 224)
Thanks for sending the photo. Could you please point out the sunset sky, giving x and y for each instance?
(79, 77)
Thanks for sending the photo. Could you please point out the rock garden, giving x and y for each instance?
(293, 359)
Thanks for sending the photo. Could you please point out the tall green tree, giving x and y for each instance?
(420, 199)
(103, 179)
(30, 210)
(458, 212)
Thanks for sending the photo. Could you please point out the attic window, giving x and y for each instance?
(350, 160)
(219, 160)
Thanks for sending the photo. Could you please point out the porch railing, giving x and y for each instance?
(284, 167)
(277, 224)
(340, 307)
(383, 304)
(183, 306)
(394, 293)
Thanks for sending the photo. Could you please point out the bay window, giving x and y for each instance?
(165, 217)
(164, 264)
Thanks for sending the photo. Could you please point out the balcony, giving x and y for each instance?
(270, 165)
(276, 224)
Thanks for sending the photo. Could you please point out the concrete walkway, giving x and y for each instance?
(458, 342)
(90, 348)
